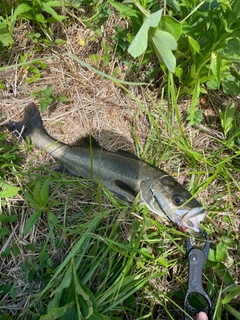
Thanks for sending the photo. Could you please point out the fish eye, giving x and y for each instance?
(177, 200)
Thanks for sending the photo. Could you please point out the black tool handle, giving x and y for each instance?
(196, 260)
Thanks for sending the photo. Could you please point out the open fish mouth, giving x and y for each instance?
(189, 220)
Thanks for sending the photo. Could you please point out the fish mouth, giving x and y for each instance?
(189, 220)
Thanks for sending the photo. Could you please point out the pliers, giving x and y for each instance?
(196, 261)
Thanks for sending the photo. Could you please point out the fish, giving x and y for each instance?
(125, 175)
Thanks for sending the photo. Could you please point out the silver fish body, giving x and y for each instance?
(123, 174)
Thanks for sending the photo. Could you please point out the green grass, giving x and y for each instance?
(108, 261)
(115, 256)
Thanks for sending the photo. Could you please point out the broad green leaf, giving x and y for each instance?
(49, 89)
(57, 313)
(13, 293)
(215, 67)
(22, 8)
(226, 276)
(163, 43)
(52, 12)
(7, 190)
(232, 48)
(171, 25)
(6, 218)
(231, 86)
(178, 72)
(33, 203)
(40, 18)
(235, 73)
(4, 231)
(63, 98)
(211, 255)
(139, 44)
(65, 282)
(5, 288)
(236, 31)
(44, 191)
(36, 193)
(124, 10)
(54, 3)
(5, 37)
(212, 84)
(3, 218)
(221, 249)
(6, 253)
(54, 303)
(15, 249)
(45, 103)
(194, 44)
(83, 292)
(220, 254)
(173, 4)
(29, 196)
(80, 288)
(51, 217)
(31, 221)
(3, 135)
(233, 294)
(60, 41)
(227, 117)
(236, 8)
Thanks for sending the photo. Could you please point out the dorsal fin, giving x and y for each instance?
(127, 154)
(87, 141)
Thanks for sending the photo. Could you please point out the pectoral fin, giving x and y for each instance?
(126, 188)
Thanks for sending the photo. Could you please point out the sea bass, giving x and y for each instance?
(122, 173)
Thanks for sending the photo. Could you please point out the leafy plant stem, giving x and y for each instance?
(194, 10)
(141, 8)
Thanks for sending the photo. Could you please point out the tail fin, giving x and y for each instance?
(31, 120)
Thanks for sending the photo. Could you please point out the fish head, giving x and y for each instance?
(166, 197)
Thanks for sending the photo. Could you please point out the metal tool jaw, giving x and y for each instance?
(196, 261)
